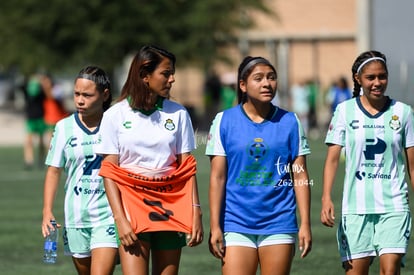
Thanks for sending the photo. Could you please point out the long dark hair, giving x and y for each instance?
(144, 62)
(245, 69)
(101, 80)
(357, 68)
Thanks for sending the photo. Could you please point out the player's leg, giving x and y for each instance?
(76, 244)
(135, 258)
(355, 242)
(240, 260)
(166, 251)
(104, 248)
(392, 233)
(28, 144)
(390, 263)
(82, 265)
(103, 260)
(282, 245)
(166, 262)
(357, 266)
(271, 265)
(240, 255)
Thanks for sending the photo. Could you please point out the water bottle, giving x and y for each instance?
(50, 246)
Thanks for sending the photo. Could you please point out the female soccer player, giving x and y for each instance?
(376, 132)
(148, 168)
(258, 178)
(89, 233)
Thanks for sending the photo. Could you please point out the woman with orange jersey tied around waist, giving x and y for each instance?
(148, 169)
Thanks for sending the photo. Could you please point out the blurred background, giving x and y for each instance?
(312, 44)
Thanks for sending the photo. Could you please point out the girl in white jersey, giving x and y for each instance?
(89, 234)
(376, 131)
(149, 136)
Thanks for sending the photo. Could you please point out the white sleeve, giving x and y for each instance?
(304, 148)
(337, 128)
(409, 129)
(186, 141)
(55, 155)
(214, 145)
(109, 135)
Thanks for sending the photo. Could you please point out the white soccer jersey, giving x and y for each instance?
(148, 141)
(374, 146)
(73, 148)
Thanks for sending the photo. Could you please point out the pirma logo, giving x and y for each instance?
(360, 175)
(77, 190)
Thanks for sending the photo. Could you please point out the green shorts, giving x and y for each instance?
(79, 242)
(50, 127)
(36, 126)
(255, 241)
(371, 235)
(164, 240)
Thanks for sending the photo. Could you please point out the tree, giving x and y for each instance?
(57, 34)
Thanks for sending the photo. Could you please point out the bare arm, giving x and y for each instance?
(302, 192)
(218, 176)
(409, 153)
(125, 232)
(49, 195)
(329, 172)
(197, 230)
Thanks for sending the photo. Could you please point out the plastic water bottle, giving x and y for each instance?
(50, 246)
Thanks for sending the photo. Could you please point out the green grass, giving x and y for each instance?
(21, 242)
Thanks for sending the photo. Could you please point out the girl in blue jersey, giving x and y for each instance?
(258, 178)
(377, 133)
(89, 233)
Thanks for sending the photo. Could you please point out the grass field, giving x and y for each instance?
(21, 242)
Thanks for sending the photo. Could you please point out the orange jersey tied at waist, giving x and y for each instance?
(156, 203)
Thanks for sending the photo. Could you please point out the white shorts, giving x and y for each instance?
(369, 235)
(255, 241)
(79, 242)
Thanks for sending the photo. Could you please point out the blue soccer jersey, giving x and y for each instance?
(259, 194)
(374, 147)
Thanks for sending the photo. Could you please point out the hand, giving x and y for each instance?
(305, 240)
(194, 239)
(197, 235)
(216, 244)
(125, 233)
(47, 225)
(328, 213)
